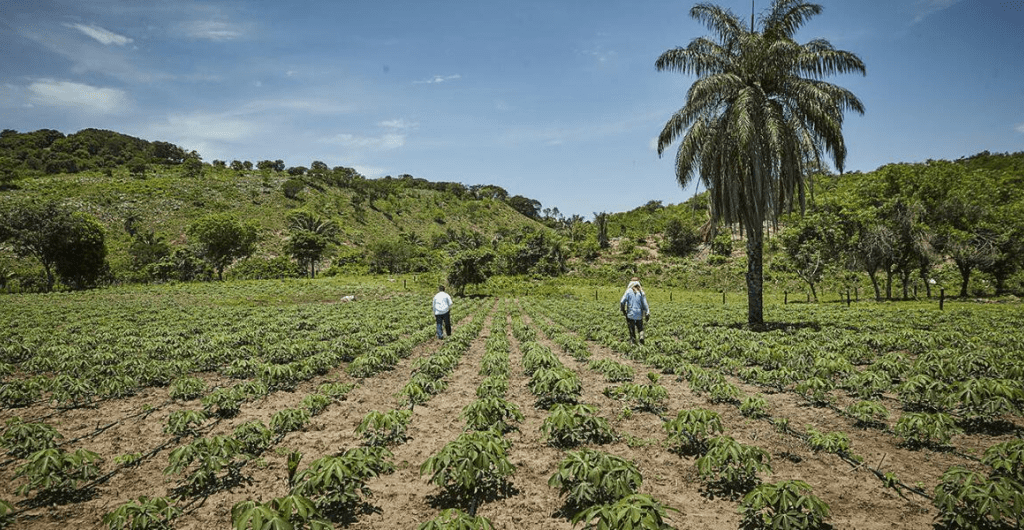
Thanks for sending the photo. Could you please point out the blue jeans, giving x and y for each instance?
(445, 319)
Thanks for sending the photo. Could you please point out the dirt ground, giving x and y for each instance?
(405, 499)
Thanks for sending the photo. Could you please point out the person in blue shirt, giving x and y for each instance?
(442, 304)
(636, 310)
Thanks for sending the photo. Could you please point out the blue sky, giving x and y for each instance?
(557, 100)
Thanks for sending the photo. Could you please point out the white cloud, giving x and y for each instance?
(384, 142)
(101, 35)
(1020, 127)
(925, 8)
(78, 96)
(438, 79)
(195, 128)
(215, 30)
(398, 124)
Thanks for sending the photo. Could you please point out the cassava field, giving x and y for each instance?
(253, 404)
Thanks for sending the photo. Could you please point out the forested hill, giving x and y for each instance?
(146, 195)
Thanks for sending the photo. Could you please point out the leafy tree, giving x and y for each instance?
(756, 117)
(310, 236)
(66, 243)
(681, 237)
(470, 267)
(601, 221)
(222, 239)
(525, 205)
(192, 165)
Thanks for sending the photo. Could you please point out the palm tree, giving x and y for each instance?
(757, 118)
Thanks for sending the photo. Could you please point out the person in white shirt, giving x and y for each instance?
(442, 305)
(636, 310)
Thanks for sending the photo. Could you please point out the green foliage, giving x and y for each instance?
(222, 238)
(455, 519)
(253, 436)
(20, 392)
(1006, 459)
(650, 397)
(754, 407)
(784, 505)
(587, 478)
(337, 484)
(920, 429)
(829, 442)
(492, 413)
(69, 391)
(316, 403)
(731, 467)
(613, 371)
(971, 501)
(816, 390)
(187, 387)
(868, 413)
(23, 438)
(184, 422)
(986, 400)
(291, 512)
(470, 267)
(55, 473)
(492, 386)
(223, 402)
(380, 429)
(555, 385)
(210, 456)
(473, 465)
(688, 432)
(634, 511)
(288, 420)
(574, 425)
(143, 514)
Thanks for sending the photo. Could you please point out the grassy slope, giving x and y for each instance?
(166, 203)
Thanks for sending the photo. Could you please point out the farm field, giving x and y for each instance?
(238, 401)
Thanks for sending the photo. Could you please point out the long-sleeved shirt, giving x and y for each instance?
(634, 304)
(442, 303)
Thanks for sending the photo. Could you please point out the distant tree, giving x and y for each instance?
(681, 238)
(221, 239)
(297, 171)
(236, 165)
(67, 244)
(392, 256)
(310, 237)
(524, 205)
(167, 153)
(292, 187)
(219, 164)
(146, 249)
(470, 268)
(813, 242)
(601, 220)
(192, 165)
(137, 168)
(270, 165)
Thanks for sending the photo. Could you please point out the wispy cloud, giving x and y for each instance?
(925, 8)
(384, 142)
(398, 124)
(1020, 127)
(78, 96)
(438, 79)
(201, 127)
(215, 30)
(101, 35)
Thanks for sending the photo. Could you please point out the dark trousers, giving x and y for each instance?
(445, 319)
(635, 326)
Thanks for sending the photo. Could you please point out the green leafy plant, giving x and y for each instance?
(472, 467)
(650, 397)
(128, 459)
(731, 467)
(187, 387)
(613, 371)
(724, 392)
(816, 390)
(291, 512)
(1006, 459)
(210, 455)
(316, 403)
(384, 428)
(971, 501)
(829, 442)
(143, 514)
(335, 391)
(920, 429)
(754, 407)
(587, 478)
(223, 402)
(455, 519)
(688, 433)
(868, 413)
(69, 391)
(493, 386)
(55, 473)
(23, 438)
(922, 392)
(337, 484)
(20, 392)
(253, 436)
(986, 400)
(288, 420)
(634, 511)
(492, 413)
(784, 505)
(555, 385)
(573, 425)
(184, 422)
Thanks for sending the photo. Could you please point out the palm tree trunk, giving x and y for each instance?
(755, 279)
